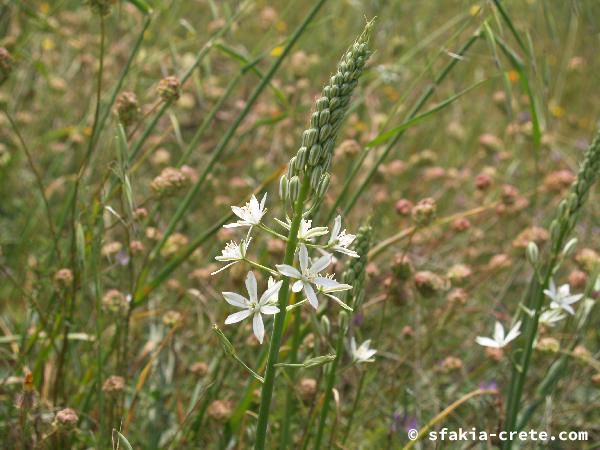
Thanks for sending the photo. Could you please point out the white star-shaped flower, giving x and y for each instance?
(500, 340)
(340, 240)
(309, 274)
(362, 353)
(250, 214)
(305, 232)
(561, 298)
(551, 316)
(233, 253)
(253, 306)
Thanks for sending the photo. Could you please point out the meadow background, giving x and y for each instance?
(95, 317)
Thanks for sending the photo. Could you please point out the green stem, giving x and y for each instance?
(354, 406)
(331, 377)
(290, 399)
(290, 251)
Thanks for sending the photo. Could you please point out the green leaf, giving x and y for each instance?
(141, 5)
(384, 137)
(123, 439)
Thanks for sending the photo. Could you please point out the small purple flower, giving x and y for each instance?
(489, 385)
(358, 319)
(122, 258)
(403, 422)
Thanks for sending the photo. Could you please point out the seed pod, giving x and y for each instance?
(301, 157)
(315, 177)
(314, 120)
(322, 104)
(324, 117)
(283, 187)
(294, 188)
(323, 185)
(309, 137)
(315, 155)
(324, 133)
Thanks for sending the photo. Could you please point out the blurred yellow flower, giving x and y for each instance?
(277, 51)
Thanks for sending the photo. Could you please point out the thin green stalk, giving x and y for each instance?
(560, 230)
(290, 251)
(354, 407)
(331, 377)
(290, 399)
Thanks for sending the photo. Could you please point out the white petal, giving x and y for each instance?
(233, 225)
(297, 286)
(288, 271)
(235, 299)
(303, 257)
(498, 332)
(251, 286)
(237, 317)
(486, 342)
(513, 333)
(238, 211)
(258, 327)
(331, 285)
(337, 226)
(269, 309)
(262, 202)
(321, 264)
(270, 292)
(310, 295)
(346, 251)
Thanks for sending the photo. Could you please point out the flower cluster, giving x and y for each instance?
(310, 276)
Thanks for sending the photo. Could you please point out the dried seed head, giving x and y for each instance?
(548, 344)
(457, 296)
(6, 64)
(220, 410)
(533, 234)
(588, 259)
(458, 274)
(169, 181)
(66, 418)
(424, 212)
(175, 243)
(451, 363)
(429, 283)
(102, 7)
(402, 266)
(113, 384)
(127, 108)
(199, 368)
(169, 89)
(114, 301)
(307, 389)
(404, 207)
(172, 318)
(63, 278)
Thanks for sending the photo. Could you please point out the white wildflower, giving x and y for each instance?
(551, 317)
(252, 306)
(250, 214)
(308, 275)
(233, 253)
(305, 232)
(500, 340)
(561, 298)
(340, 240)
(362, 353)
